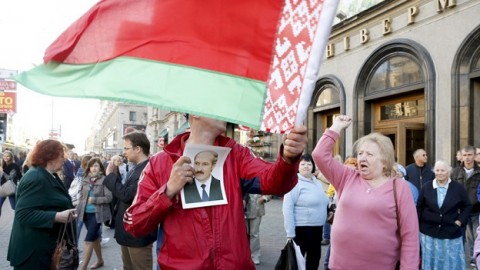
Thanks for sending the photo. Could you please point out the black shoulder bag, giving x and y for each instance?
(65, 255)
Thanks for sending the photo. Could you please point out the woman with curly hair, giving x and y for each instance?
(43, 204)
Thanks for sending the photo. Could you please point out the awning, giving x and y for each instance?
(163, 132)
(182, 128)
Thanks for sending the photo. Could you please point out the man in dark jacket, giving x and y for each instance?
(419, 172)
(136, 252)
(468, 173)
(70, 168)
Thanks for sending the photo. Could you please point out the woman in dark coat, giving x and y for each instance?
(43, 204)
(9, 171)
(443, 209)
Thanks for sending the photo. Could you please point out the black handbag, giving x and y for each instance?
(287, 259)
(65, 255)
(331, 213)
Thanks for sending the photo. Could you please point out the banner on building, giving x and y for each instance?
(127, 128)
(8, 102)
(8, 85)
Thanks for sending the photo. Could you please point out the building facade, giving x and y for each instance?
(163, 126)
(407, 69)
(113, 121)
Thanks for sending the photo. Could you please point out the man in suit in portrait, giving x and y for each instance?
(205, 187)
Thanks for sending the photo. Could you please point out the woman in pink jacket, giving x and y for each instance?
(368, 234)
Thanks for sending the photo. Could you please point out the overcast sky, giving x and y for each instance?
(27, 28)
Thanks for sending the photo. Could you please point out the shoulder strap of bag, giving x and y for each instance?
(397, 266)
(396, 204)
(72, 230)
(63, 229)
(61, 233)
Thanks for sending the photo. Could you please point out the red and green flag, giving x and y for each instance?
(249, 62)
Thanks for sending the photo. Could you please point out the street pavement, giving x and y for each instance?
(272, 239)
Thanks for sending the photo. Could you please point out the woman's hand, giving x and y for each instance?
(341, 122)
(111, 168)
(458, 222)
(63, 217)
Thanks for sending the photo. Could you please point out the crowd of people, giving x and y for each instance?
(90, 192)
(98, 191)
(413, 217)
(424, 222)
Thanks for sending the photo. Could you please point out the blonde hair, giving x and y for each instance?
(12, 157)
(116, 157)
(351, 161)
(387, 154)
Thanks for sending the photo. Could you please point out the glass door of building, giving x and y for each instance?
(406, 138)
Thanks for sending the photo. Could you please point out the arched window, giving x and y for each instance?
(477, 66)
(394, 72)
(328, 101)
(466, 93)
(329, 95)
(395, 94)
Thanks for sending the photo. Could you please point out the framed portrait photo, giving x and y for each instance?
(207, 187)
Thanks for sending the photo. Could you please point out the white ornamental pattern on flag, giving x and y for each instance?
(299, 46)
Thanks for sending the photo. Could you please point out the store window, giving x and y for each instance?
(396, 71)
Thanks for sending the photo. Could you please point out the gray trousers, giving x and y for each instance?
(253, 227)
(471, 235)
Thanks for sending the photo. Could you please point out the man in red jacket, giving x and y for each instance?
(208, 237)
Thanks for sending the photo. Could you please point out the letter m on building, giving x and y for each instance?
(443, 4)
